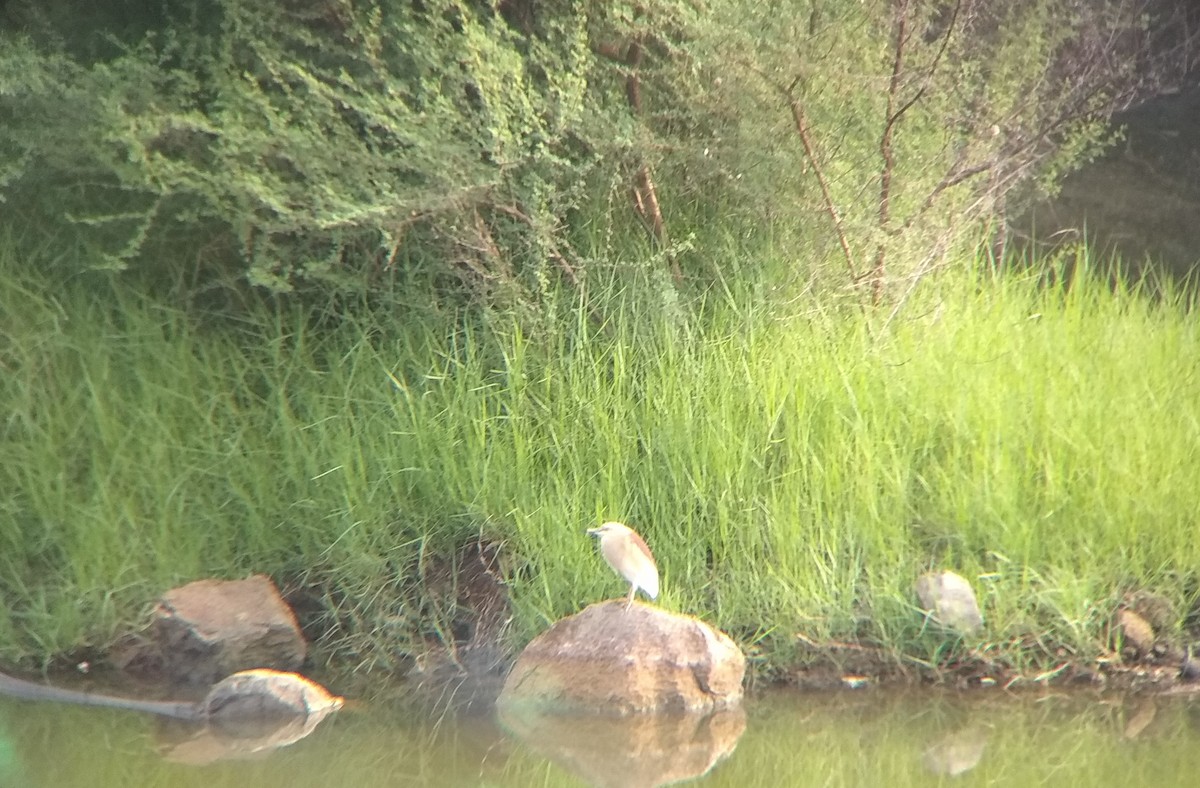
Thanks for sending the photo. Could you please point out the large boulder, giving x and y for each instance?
(211, 628)
(611, 659)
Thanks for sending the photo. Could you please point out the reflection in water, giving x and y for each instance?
(243, 737)
(247, 713)
(632, 751)
(957, 752)
(861, 738)
(1144, 713)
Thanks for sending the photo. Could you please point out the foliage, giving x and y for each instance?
(918, 120)
(331, 143)
(311, 141)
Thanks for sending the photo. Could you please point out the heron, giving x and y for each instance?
(626, 552)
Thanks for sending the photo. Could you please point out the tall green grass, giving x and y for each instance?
(793, 467)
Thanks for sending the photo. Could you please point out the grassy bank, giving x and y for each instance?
(793, 467)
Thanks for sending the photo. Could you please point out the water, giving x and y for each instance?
(853, 738)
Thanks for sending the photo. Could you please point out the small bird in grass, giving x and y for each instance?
(626, 552)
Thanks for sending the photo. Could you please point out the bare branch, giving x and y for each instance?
(933, 66)
(886, 152)
(810, 153)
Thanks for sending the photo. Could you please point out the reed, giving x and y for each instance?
(792, 465)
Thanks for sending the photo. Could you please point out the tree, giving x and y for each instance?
(917, 120)
(324, 143)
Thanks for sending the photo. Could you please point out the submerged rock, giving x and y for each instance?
(250, 713)
(246, 713)
(212, 628)
(248, 694)
(609, 659)
(262, 693)
(949, 598)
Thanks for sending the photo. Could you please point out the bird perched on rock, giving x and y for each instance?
(626, 552)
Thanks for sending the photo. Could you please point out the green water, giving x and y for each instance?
(859, 738)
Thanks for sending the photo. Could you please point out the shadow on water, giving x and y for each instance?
(986, 737)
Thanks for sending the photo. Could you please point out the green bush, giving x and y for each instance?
(329, 144)
(311, 141)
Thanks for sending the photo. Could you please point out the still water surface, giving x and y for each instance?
(853, 738)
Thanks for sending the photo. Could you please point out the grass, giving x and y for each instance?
(794, 467)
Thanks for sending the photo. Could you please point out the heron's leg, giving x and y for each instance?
(632, 591)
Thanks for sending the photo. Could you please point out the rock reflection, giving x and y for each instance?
(633, 751)
(1143, 714)
(233, 737)
(956, 752)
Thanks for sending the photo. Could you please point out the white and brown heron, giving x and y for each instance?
(626, 552)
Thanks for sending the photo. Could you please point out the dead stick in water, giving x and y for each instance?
(28, 690)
